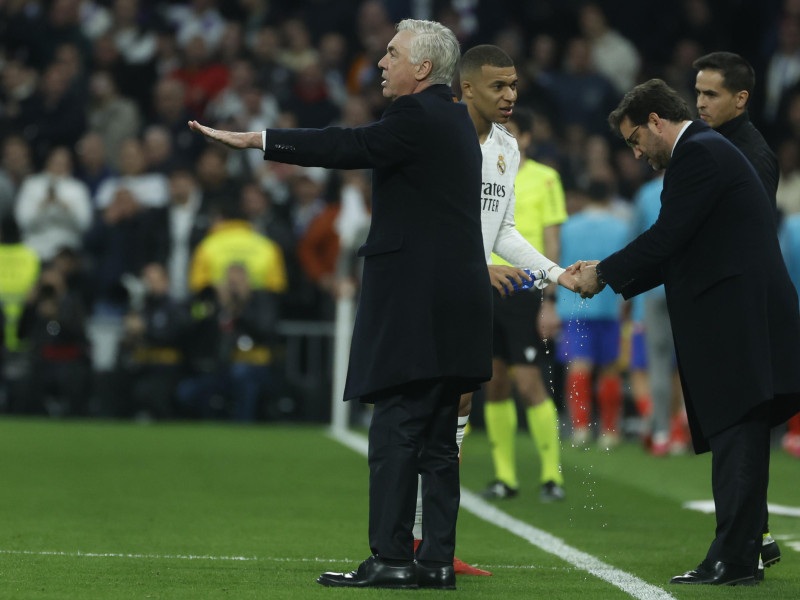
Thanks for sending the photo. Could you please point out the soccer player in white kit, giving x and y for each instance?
(489, 89)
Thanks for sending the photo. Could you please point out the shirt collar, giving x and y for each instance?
(680, 133)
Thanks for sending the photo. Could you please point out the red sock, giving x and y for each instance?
(609, 399)
(579, 398)
(644, 406)
(794, 425)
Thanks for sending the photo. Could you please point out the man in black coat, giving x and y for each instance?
(423, 328)
(723, 84)
(733, 309)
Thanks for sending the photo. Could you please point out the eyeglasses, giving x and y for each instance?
(629, 139)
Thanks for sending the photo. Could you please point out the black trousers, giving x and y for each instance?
(413, 431)
(739, 478)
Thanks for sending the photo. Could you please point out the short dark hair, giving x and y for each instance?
(522, 117)
(737, 73)
(485, 55)
(652, 96)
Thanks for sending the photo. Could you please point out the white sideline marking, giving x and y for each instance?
(169, 556)
(707, 506)
(283, 559)
(628, 583)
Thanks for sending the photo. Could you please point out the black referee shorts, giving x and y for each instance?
(515, 339)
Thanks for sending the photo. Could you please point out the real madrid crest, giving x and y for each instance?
(501, 164)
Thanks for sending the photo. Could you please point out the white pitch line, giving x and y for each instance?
(170, 556)
(280, 559)
(628, 583)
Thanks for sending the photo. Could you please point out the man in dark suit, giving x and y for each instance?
(423, 329)
(733, 310)
(724, 83)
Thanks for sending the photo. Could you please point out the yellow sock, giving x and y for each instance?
(543, 425)
(501, 427)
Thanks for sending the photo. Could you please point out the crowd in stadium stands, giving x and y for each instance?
(132, 248)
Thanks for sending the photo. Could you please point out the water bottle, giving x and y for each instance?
(534, 275)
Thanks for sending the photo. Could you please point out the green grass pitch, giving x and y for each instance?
(107, 511)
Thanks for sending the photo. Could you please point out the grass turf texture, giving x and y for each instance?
(291, 503)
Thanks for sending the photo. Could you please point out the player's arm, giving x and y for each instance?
(515, 249)
(548, 322)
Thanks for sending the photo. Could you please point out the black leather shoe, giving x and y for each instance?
(717, 573)
(374, 572)
(437, 578)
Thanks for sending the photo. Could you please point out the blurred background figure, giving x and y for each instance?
(590, 339)
(53, 207)
(150, 356)
(53, 324)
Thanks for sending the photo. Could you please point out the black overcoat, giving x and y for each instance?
(425, 306)
(733, 308)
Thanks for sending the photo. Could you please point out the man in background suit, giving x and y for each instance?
(423, 329)
(733, 310)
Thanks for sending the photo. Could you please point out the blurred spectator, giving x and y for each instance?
(197, 18)
(134, 81)
(173, 232)
(54, 324)
(679, 73)
(247, 318)
(93, 166)
(53, 208)
(150, 357)
(18, 277)
(788, 195)
(169, 112)
(16, 164)
(373, 28)
(133, 35)
(115, 247)
(232, 46)
(241, 104)
(783, 69)
(257, 15)
(18, 104)
(232, 241)
(60, 114)
(113, 116)
(95, 19)
(258, 209)
(310, 100)
(203, 77)
(697, 22)
(68, 57)
(613, 55)
(584, 96)
(333, 61)
(159, 154)
(307, 197)
(216, 184)
(318, 254)
(62, 26)
(234, 329)
(298, 51)
(271, 75)
(148, 189)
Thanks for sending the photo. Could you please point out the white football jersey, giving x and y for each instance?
(500, 235)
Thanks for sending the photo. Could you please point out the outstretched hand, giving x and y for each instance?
(231, 139)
